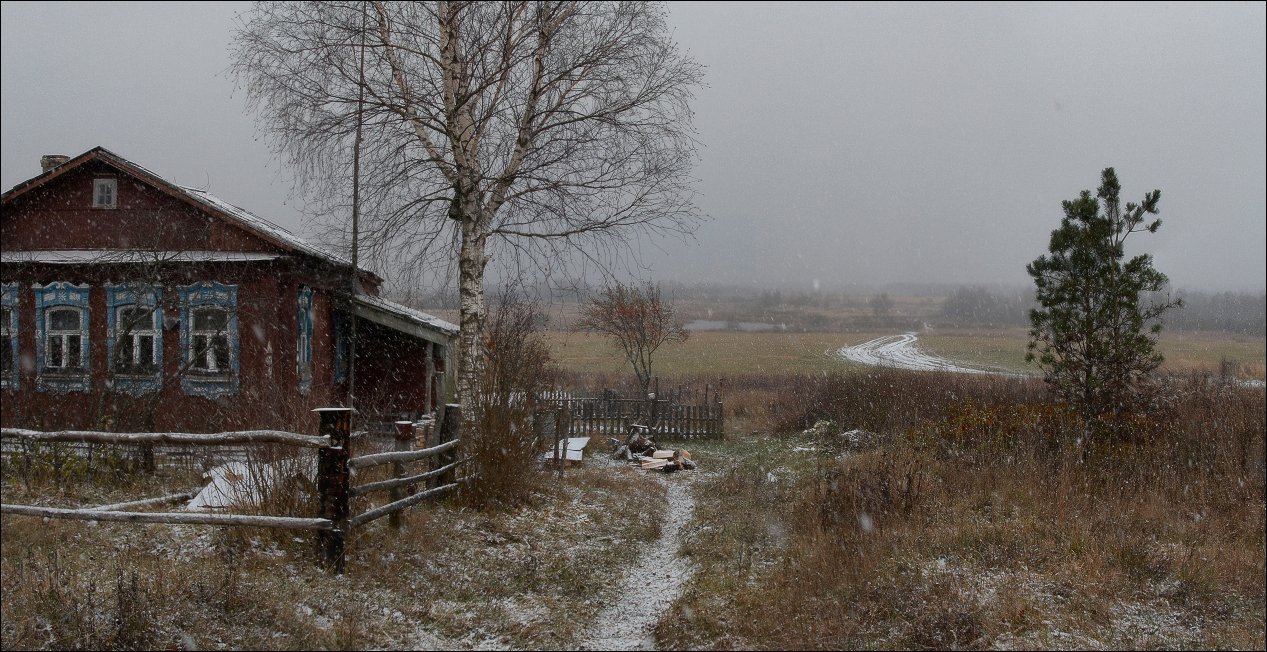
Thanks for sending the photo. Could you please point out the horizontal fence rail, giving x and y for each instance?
(390, 508)
(400, 456)
(394, 483)
(178, 438)
(333, 466)
(171, 518)
(161, 500)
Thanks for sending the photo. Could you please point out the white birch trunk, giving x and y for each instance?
(473, 310)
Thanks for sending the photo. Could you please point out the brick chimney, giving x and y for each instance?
(50, 161)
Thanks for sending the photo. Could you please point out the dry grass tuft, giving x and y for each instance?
(987, 522)
(451, 577)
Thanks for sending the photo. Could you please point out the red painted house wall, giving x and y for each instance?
(58, 215)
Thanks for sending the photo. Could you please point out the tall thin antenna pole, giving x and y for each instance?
(356, 210)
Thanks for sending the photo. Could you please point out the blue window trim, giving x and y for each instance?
(51, 296)
(303, 339)
(130, 295)
(196, 296)
(9, 299)
(341, 337)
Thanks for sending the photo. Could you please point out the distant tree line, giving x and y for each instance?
(977, 305)
(1228, 312)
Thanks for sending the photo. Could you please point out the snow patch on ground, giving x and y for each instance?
(651, 585)
(238, 484)
(900, 351)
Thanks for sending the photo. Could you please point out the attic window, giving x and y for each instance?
(105, 193)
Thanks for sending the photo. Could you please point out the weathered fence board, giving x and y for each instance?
(399, 456)
(208, 439)
(161, 500)
(392, 483)
(379, 512)
(172, 518)
(668, 417)
(333, 477)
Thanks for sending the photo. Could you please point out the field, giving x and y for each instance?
(729, 353)
(848, 508)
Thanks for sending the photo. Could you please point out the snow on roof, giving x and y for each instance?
(416, 316)
(265, 227)
(126, 256)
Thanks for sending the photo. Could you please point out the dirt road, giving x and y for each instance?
(900, 351)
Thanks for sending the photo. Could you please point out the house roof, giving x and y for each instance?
(199, 199)
(403, 319)
(131, 256)
(376, 309)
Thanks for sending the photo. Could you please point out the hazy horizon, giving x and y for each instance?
(843, 145)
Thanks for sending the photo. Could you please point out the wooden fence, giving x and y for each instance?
(667, 415)
(334, 465)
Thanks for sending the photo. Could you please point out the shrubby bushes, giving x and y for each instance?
(981, 519)
(498, 435)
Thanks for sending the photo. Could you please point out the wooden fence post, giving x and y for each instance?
(560, 440)
(449, 429)
(332, 482)
(404, 441)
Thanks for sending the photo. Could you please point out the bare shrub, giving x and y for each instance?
(986, 526)
(500, 439)
(891, 400)
(857, 496)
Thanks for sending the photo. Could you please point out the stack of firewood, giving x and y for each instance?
(638, 448)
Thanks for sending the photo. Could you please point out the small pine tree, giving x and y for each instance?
(1093, 334)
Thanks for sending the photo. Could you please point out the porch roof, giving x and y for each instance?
(404, 319)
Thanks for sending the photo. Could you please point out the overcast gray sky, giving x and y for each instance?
(843, 143)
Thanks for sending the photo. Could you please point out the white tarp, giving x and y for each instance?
(574, 446)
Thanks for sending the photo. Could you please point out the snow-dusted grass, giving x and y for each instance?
(532, 576)
(981, 526)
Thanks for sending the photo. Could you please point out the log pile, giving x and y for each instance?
(639, 449)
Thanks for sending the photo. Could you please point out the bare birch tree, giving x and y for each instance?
(635, 319)
(534, 130)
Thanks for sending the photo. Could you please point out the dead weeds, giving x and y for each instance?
(526, 577)
(986, 526)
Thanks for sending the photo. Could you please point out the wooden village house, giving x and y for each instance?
(131, 303)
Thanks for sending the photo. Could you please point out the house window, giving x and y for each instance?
(9, 336)
(209, 339)
(303, 344)
(105, 193)
(136, 338)
(64, 349)
(137, 342)
(62, 337)
(341, 340)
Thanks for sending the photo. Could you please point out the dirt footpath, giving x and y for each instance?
(652, 584)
